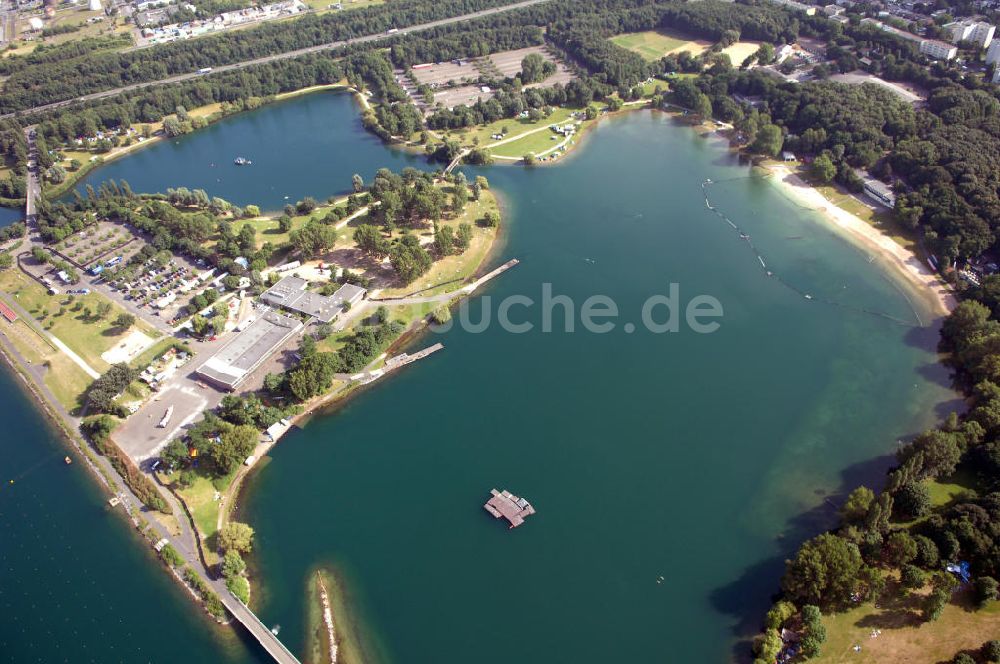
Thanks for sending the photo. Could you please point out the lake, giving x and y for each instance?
(672, 473)
(305, 146)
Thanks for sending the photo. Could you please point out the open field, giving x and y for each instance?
(467, 136)
(740, 51)
(652, 44)
(536, 143)
(66, 380)
(904, 636)
(85, 334)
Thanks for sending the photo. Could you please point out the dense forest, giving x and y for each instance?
(47, 82)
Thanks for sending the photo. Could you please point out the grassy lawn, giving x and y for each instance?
(200, 500)
(652, 44)
(86, 335)
(67, 381)
(535, 143)
(513, 125)
(904, 637)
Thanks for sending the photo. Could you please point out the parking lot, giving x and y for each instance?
(466, 94)
(508, 63)
(438, 74)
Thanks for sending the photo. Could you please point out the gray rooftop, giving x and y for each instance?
(290, 293)
(238, 358)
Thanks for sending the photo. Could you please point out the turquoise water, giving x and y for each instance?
(305, 146)
(699, 458)
(76, 583)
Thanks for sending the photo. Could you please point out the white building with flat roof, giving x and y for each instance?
(938, 50)
(977, 32)
(993, 53)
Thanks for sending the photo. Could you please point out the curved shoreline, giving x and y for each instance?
(901, 263)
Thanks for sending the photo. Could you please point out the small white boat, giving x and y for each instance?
(166, 417)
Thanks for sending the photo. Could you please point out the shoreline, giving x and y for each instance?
(901, 264)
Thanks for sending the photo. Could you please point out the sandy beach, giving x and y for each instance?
(925, 284)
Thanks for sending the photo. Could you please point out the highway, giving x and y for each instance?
(272, 58)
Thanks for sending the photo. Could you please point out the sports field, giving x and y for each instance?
(652, 44)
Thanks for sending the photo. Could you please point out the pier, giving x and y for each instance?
(508, 506)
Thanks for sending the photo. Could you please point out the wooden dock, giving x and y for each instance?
(508, 506)
(491, 275)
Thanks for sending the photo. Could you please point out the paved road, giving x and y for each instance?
(280, 56)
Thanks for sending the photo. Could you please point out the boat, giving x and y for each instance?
(242, 161)
(166, 417)
(68, 461)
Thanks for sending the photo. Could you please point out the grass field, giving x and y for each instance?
(514, 127)
(200, 500)
(86, 335)
(66, 380)
(905, 637)
(652, 44)
(535, 143)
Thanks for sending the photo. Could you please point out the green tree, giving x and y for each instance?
(912, 500)
(934, 604)
(984, 589)
(103, 309)
(233, 564)
(813, 631)
(491, 219)
(858, 502)
(913, 577)
(991, 651)
(778, 614)
(900, 548)
(409, 259)
(357, 183)
(124, 321)
(175, 455)
(765, 54)
(769, 140)
(313, 239)
(444, 240)
(371, 241)
(234, 446)
(236, 536)
(823, 571)
(823, 168)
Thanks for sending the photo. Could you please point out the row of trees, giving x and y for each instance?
(98, 70)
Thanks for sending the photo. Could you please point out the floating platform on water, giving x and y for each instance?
(507, 505)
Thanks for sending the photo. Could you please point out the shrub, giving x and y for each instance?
(239, 587)
(991, 651)
(170, 556)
